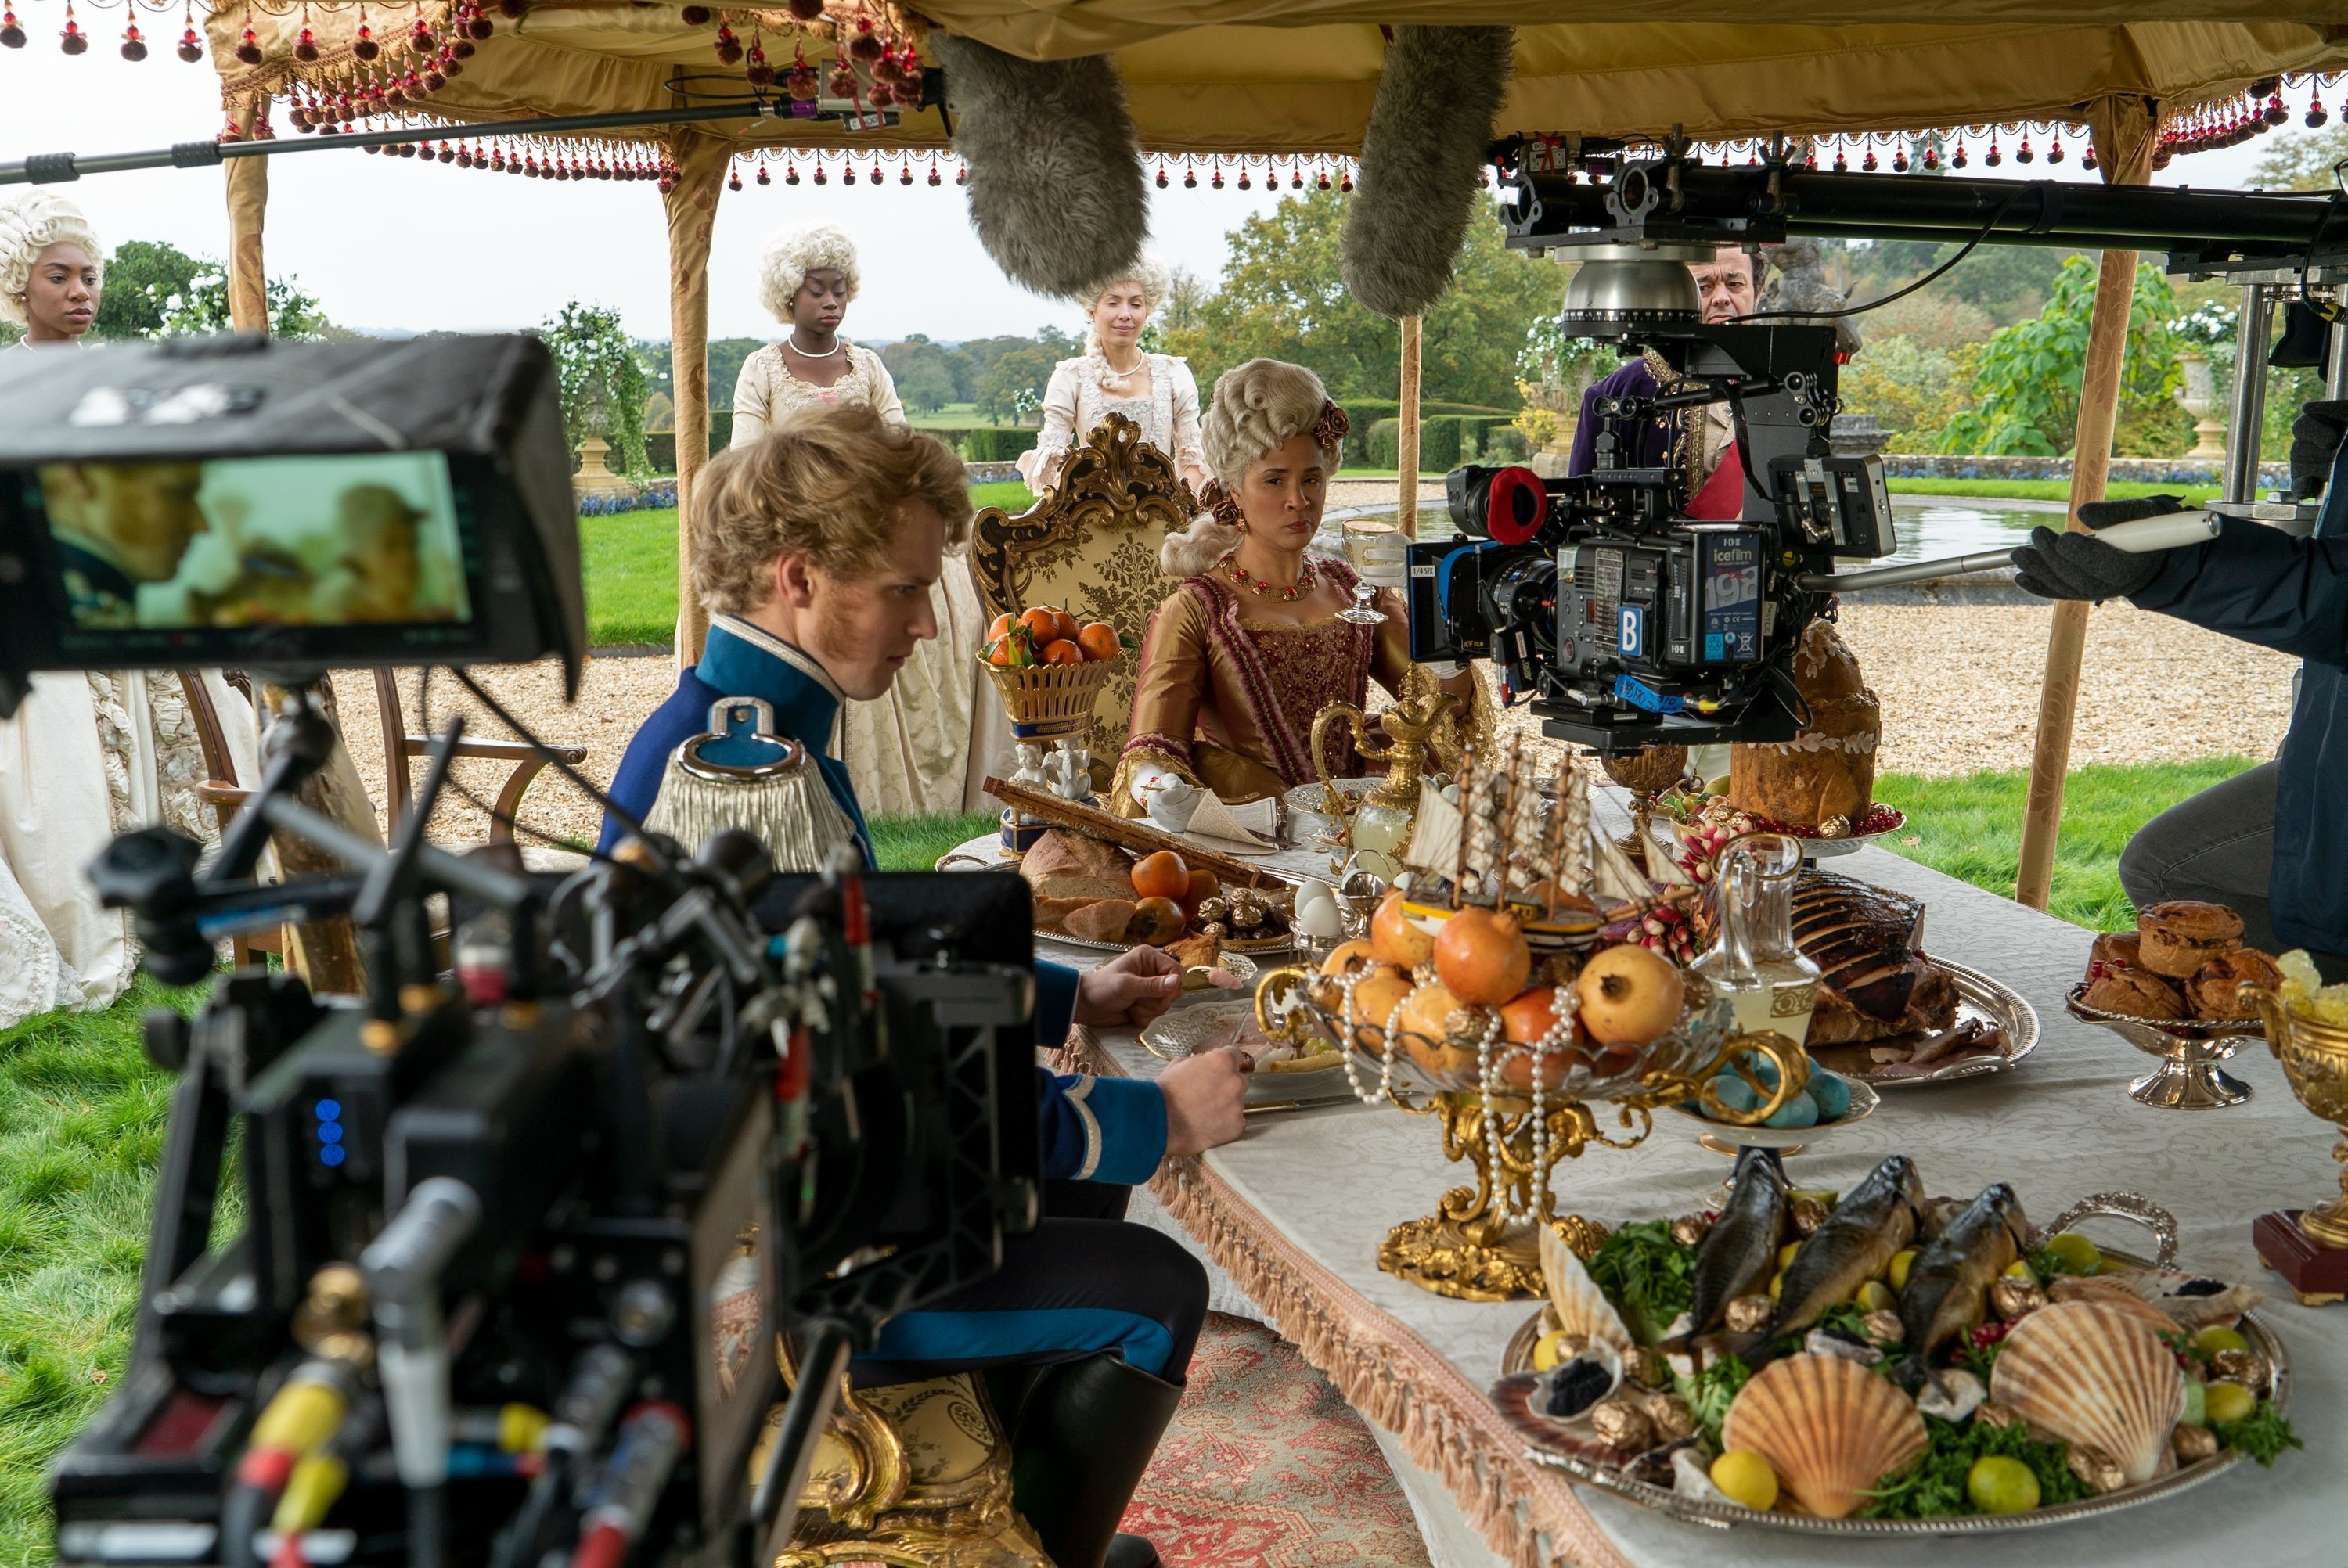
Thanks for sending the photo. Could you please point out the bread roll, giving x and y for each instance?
(2183, 934)
(1104, 920)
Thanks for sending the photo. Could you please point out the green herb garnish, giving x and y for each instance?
(1844, 1318)
(1978, 1358)
(2262, 1434)
(1934, 1486)
(2047, 1266)
(1710, 1392)
(1649, 1278)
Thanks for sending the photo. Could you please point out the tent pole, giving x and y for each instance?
(1407, 441)
(701, 161)
(248, 204)
(2254, 326)
(2123, 137)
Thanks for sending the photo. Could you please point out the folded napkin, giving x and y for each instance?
(1247, 829)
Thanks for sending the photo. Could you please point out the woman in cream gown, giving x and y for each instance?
(928, 746)
(1114, 375)
(87, 756)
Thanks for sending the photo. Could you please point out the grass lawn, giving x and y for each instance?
(81, 1112)
(1970, 827)
(629, 559)
(2045, 489)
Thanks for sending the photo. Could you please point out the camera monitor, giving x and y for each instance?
(229, 502)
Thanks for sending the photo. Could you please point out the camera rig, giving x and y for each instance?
(488, 1266)
(1626, 621)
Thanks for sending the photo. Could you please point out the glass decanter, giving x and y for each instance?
(1755, 963)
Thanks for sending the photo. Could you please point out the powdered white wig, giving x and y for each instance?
(1146, 271)
(29, 225)
(1257, 407)
(792, 254)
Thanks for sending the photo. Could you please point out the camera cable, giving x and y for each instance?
(1987, 228)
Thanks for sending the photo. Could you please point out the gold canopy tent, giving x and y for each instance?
(1223, 77)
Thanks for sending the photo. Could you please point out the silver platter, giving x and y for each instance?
(1175, 1035)
(1518, 1357)
(1978, 997)
(1230, 949)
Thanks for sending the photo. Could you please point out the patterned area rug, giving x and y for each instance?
(1267, 1467)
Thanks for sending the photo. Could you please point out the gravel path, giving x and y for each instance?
(1958, 688)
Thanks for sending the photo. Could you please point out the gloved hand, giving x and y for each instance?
(2314, 443)
(2081, 565)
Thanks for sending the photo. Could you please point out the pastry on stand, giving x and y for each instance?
(1823, 778)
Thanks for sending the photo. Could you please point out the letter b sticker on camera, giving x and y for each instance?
(1632, 644)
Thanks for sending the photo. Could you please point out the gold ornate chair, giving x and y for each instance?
(911, 1475)
(1090, 545)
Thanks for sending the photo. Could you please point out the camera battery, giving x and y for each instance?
(1727, 580)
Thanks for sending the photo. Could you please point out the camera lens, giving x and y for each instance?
(1507, 506)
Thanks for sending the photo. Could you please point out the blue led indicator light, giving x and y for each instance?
(333, 1154)
(329, 1110)
(332, 1132)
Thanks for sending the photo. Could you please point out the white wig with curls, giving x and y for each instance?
(1257, 407)
(29, 225)
(1147, 270)
(792, 254)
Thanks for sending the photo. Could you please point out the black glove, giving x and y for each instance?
(2103, 514)
(2314, 443)
(2081, 565)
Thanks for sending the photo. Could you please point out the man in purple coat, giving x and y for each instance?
(1730, 286)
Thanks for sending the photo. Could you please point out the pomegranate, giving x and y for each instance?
(1432, 1015)
(1375, 997)
(1630, 995)
(1348, 957)
(1482, 957)
(1530, 1017)
(1399, 939)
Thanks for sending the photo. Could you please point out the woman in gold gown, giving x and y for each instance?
(1243, 655)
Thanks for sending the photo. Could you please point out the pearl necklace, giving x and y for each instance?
(1303, 584)
(793, 343)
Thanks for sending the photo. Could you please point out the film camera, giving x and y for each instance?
(1623, 620)
(483, 1269)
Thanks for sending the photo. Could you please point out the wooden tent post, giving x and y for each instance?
(248, 206)
(1406, 440)
(692, 202)
(2123, 140)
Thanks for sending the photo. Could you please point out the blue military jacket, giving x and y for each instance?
(1101, 1130)
(2265, 587)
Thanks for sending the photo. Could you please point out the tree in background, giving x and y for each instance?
(2302, 162)
(603, 386)
(2026, 381)
(154, 290)
(924, 373)
(726, 357)
(1283, 296)
(2010, 284)
(1914, 388)
(1013, 385)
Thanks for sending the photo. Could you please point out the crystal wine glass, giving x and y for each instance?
(1363, 612)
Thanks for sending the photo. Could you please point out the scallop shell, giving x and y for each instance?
(2093, 1373)
(1579, 1305)
(1829, 1428)
(2110, 1293)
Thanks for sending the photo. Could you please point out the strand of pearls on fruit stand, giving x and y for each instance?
(1537, 1057)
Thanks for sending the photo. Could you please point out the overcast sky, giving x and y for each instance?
(392, 242)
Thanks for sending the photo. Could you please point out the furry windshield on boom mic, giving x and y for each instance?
(1056, 188)
(1422, 163)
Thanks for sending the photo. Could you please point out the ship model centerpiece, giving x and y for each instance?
(1521, 972)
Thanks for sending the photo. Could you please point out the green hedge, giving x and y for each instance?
(1445, 441)
(660, 446)
(988, 443)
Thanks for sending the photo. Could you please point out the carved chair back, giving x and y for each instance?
(1091, 546)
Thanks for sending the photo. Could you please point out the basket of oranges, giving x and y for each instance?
(1050, 670)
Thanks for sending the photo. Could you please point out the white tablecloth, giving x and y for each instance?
(2060, 1127)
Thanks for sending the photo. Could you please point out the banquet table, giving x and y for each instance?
(1294, 1212)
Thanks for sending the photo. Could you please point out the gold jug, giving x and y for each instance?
(2315, 1057)
(1384, 819)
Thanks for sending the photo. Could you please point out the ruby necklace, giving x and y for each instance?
(1303, 584)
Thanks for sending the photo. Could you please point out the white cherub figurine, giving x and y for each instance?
(1070, 770)
(1030, 771)
(1169, 799)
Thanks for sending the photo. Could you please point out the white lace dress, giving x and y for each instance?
(1078, 398)
(927, 747)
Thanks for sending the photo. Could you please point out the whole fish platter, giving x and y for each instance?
(1876, 1219)
(1740, 1251)
(1891, 1362)
(1949, 1283)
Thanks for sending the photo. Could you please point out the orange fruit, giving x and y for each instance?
(1482, 957)
(1156, 921)
(1063, 653)
(1204, 884)
(1068, 627)
(1042, 624)
(1161, 875)
(1002, 625)
(1099, 641)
